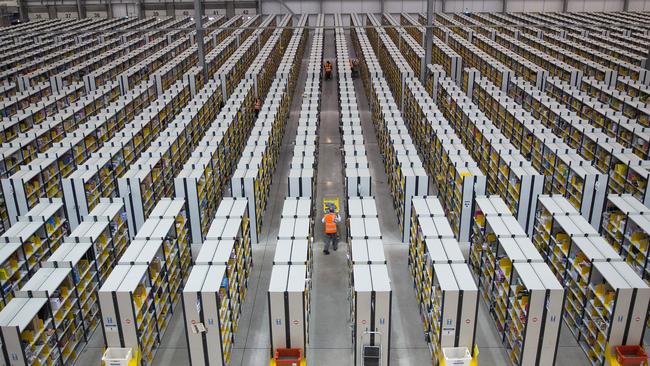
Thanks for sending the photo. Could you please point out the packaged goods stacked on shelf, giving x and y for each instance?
(634, 89)
(406, 176)
(144, 181)
(75, 66)
(508, 173)
(54, 185)
(233, 207)
(138, 46)
(581, 46)
(591, 142)
(252, 177)
(631, 107)
(566, 173)
(32, 239)
(15, 121)
(406, 44)
(588, 67)
(486, 64)
(228, 243)
(29, 333)
(152, 175)
(517, 63)
(163, 268)
(15, 270)
(626, 226)
(496, 235)
(441, 54)
(427, 207)
(103, 235)
(174, 43)
(290, 285)
(205, 174)
(14, 104)
(629, 132)
(622, 166)
(66, 120)
(138, 297)
(226, 46)
(446, 293)
(202, 110)
(607, 300)
(73, 313)
(235, 68)
(235, 121)
(525, 297)
(629, 174)
(23, 71)
(554, 67)
(458, 176)
(117, 66)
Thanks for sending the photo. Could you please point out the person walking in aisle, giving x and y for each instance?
(330, 219)
(328, 70)
(258, 107)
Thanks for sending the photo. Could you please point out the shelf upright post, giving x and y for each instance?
(428, 43)
(198, 19)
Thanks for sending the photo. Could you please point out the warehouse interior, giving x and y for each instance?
(286, 182)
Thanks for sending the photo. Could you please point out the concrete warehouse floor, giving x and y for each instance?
(330, 338)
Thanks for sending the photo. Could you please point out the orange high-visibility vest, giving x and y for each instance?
(258, 105)
(328, 67)
(330, 223)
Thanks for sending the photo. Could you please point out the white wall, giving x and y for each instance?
(534, 6)
(124, 10)
(639, 5)
(416, 6)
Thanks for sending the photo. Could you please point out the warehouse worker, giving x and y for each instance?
(258, 106)
(330, 220)
(353, 68)
(328, 70)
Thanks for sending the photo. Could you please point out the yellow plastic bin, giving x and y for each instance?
(117, 356)
(457, 356)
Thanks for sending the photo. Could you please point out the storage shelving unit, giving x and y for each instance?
(508, 173)
(289, 301)
(74, 314)
(446, 293)
(625, 226)
(130, 304)
(107, 235)
(371, 299)
(613, 311)
(209, 318)
(29, 335)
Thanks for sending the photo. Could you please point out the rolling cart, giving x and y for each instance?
(372, 354)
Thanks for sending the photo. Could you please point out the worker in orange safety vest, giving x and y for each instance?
(330, 219)
(328, 70)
